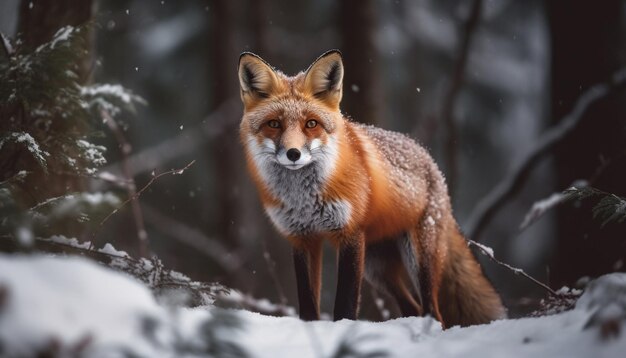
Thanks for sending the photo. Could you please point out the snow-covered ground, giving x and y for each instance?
(74, 307)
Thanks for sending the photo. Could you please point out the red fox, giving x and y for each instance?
(376, 195)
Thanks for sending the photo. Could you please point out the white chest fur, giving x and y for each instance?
(303, 210)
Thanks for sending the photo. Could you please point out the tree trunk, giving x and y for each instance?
(586, 48)
(362, 96)
(224, 150)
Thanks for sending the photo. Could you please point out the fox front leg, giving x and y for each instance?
(349, 276)
(307, 264)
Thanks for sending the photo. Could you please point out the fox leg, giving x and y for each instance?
(350, 274)
(307, 264)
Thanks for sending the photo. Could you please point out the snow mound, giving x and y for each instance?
(605, 300)
(73, 307)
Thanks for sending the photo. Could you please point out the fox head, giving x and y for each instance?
(290, 123)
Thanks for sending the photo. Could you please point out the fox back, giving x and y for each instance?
(375, 194)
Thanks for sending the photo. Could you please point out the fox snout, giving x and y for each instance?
(294, 158)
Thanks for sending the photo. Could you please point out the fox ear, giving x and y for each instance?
(256, 78)
(324, 78)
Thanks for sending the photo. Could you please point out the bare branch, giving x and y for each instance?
(489, 253)
(449, 100)
(513, 182)
(142, 234)
(138, 194)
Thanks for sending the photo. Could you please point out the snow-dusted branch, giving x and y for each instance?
(487, 251)
(138, 194)
(513, 182)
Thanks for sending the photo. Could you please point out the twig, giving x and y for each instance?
(513, 182)
(489, 253)
(142, 234)
(449, 100)
(138, 194)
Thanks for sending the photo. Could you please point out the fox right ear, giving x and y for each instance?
(256, 78)
(324, 78)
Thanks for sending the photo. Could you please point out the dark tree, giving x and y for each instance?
(362, 95)
(225, 147)
(38, 22)
(587, 47)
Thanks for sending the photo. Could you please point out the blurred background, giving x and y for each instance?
(487, 86)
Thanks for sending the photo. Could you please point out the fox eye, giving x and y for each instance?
(273, 124)
(311, 123)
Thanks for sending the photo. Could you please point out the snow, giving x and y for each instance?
(116, 91)
(61, 36)
(75, 302)
(68, 300)
(61, 239)
(93, 153)
(29, 141)
(540, 207)
(484, 248)
(111, 250)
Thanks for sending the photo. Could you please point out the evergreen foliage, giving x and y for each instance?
(609, 208)
(47, 118)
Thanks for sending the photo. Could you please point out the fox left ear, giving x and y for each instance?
(257, 79)
(324, 78)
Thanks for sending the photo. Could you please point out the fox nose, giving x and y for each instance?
(293, 154)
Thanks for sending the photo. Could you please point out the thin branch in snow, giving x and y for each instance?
(513, 182)
(142, 234)
(487, 251)
(138, 194)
